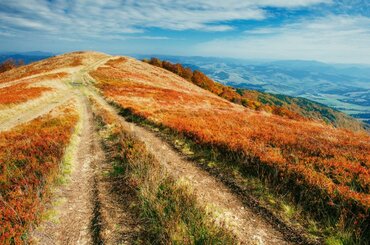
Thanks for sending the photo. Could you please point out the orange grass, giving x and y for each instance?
(30, 157)
(290, 107)
(48, 65)
(116, 62)
(19, 93)
(322, 166)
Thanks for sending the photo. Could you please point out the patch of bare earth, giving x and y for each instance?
(30, 112)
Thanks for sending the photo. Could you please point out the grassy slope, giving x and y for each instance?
(291, 107)
(168, 209)
(30, 157)
(324, 169)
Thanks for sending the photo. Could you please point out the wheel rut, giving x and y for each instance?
(218, 198)
(73, 209)
(93, 207)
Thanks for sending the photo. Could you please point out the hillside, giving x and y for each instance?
(344, 87)
(106, 149)
(283, 105)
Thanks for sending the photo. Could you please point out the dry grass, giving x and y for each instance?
(116, 62)
(20, 93)
(56, 63)
(168, 209)
(324, 168)
(30, 156)
(40, 67)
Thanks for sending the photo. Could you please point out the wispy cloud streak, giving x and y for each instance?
(85, 17)
(332, 38)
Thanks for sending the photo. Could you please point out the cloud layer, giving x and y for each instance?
(334, 38)
(96, 17)
(326, 30)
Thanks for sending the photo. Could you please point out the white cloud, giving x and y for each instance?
(335, 38)
(341, 39)
(25, 23)
(84, 17)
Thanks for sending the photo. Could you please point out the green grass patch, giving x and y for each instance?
(69, 155)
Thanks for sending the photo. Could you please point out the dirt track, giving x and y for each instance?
(248, 227)
(74, 213)
(87, 211)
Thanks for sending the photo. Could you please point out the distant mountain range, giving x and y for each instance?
(27, 57)
(345, 87)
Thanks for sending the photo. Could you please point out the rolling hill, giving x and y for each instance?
(344, 87)
(109, 149)
(283, 105)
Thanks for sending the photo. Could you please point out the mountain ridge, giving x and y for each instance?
(353, 105)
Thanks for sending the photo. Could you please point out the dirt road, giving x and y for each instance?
(86, 210)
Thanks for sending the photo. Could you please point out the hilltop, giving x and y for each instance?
(109, 149)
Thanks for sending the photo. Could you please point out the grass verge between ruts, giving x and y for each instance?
(168, 209)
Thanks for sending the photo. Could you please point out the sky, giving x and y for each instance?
(334, 31)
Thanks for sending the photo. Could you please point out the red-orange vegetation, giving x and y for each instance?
(245, 97)
(162, 96)
(318, 163)
(30, 157)
(57, 62)
(19, 93)
(116, 62)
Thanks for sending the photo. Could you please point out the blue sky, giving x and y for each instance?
(336, 31)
